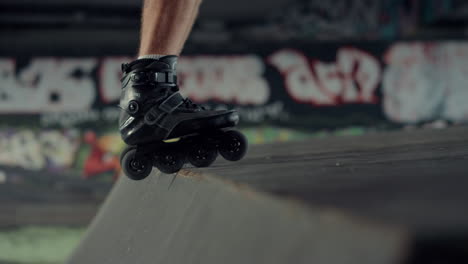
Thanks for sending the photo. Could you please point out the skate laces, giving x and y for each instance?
(191, 105)
(187, 103)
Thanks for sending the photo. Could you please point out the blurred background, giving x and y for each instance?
(294, 69)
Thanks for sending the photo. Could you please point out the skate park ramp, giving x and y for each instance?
(396, 197)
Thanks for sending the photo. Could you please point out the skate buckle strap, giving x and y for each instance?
(171, 103)
(161, 78)
(165, 78)
(157, 113)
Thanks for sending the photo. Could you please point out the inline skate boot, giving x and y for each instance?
(165, 130)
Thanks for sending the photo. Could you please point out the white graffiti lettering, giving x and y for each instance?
(226, 79)
(426, 81)
(47, 84)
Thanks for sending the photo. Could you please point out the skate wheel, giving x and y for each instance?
(124, 151)
(202, 155)
(233, 146)
(135, 169)
(169, 161)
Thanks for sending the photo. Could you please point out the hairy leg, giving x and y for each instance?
(166, 25)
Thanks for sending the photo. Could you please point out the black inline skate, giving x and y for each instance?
(165, 130)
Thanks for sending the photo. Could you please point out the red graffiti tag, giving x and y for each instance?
(353, 78)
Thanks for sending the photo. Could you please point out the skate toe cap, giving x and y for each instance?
(234, 117)
(230, 116)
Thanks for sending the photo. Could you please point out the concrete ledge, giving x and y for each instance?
(195, 218)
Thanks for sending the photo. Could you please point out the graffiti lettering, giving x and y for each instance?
(47, 149)
(69, 119)
(352, 79)
(227, 79)
(47, 84)
(273, 111)
(426, 81)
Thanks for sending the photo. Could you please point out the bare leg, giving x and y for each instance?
(166, 25)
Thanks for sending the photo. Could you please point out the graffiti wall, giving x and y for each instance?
(364, 19)
(426, 81)
(351, 19)
(59, 114)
